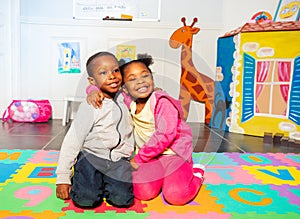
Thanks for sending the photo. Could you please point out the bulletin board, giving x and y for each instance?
(141, 10)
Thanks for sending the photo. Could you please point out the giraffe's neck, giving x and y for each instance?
(187, 59)
(190, 76)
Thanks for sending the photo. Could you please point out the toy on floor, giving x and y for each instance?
(28, 111)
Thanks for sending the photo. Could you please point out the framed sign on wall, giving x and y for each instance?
(288, 10)
(140, 10)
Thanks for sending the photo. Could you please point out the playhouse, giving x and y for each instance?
(258, 80)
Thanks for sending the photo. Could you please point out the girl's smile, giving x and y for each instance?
(143, 89)
(138, 80)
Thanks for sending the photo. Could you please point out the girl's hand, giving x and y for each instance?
(134, 165)
(95, 98)
(63, 191)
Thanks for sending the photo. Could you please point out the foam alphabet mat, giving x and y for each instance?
(237, 185)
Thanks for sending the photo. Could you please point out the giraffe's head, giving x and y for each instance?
(183, 35)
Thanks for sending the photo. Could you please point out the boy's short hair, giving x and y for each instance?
(98, 54)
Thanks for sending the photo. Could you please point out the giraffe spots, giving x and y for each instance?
(190, 62)
(183, 54)
(198, 89)
(188, 41)
(191, 78)
(210, 89)
(200, 97)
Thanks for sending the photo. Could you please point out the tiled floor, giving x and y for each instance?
(49, 136)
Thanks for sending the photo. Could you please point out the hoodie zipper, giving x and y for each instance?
(117, 128)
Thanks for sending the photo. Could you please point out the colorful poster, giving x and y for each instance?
(69, 58)
(126, 52)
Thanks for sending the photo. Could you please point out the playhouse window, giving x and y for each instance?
(272, 87)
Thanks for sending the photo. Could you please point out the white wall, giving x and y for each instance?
(45, 23)
(5, 52)
(9, 51)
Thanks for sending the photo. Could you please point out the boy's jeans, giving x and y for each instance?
(96, 178)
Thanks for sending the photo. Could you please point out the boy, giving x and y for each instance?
(99, 144)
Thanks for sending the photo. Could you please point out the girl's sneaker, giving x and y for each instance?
(199, 170)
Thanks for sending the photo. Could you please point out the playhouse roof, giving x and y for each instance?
(265, 26)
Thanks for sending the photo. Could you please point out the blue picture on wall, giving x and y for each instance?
(69, 58)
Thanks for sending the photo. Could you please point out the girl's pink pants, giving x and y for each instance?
(170, 174)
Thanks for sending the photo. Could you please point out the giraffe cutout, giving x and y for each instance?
(194, 85)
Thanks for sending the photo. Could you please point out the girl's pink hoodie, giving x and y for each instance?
(171, 131)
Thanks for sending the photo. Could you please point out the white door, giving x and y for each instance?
(8, 49)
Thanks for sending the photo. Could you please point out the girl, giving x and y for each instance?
(163, 160)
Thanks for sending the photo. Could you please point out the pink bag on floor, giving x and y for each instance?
(28, 111)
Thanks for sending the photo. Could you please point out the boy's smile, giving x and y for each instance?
(115, 84)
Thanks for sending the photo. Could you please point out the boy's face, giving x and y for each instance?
(138, 80)
(106, 75)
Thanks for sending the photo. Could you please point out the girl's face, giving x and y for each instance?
(138, 80)
(106, 75)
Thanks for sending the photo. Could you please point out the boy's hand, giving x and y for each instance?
(134, 165)
(95, 98)
(63, 191)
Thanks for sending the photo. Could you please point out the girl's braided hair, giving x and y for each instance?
(144, 58)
